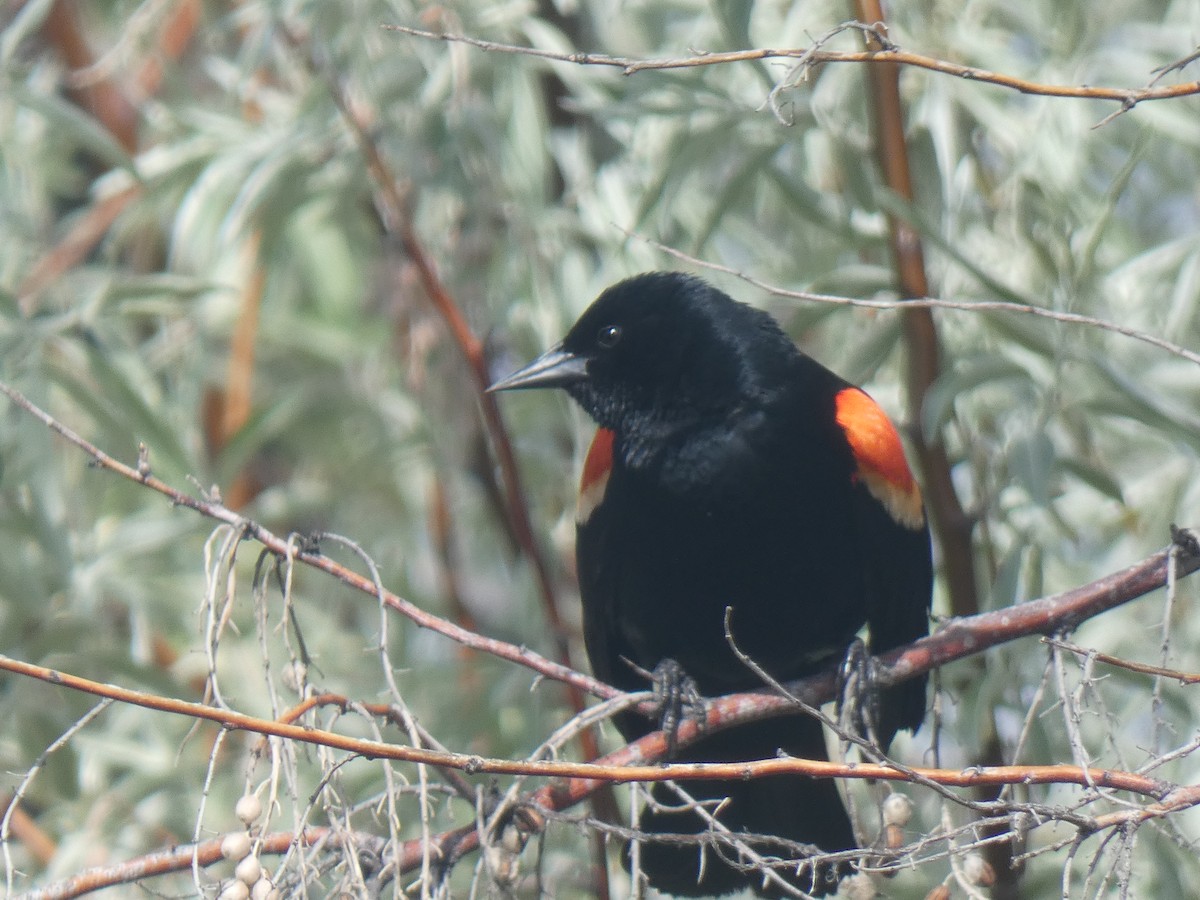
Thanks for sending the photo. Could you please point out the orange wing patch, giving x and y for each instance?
(596, 468)
(882, 467)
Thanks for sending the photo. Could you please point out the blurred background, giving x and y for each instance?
(214, 218)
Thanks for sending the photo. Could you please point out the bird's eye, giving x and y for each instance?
(608, 336)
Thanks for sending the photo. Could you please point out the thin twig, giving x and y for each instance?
(622, 765)
(631, 65)
(14, 803)
(957, 639)
(212, 508)
(1127, 664)
(176, 859)
(977, 306)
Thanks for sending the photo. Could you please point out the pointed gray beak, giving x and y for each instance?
(554, 368)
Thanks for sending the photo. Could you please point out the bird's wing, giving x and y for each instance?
(890, 519)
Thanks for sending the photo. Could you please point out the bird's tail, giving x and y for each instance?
(793, 808)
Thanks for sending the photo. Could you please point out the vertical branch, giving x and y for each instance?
(179, 27)
(107, 102)
(951, 523)
(395, 210)
(227, 409)
(952, 526)
(393, 200)
(103, 98)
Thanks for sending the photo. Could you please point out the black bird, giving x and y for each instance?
(731, 470)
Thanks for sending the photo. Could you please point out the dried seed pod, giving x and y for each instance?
(248, 809)
(248, 871)
(294, 676)
(858, 887)
(235, 890)
(504, 866)
(897, 809)
(529, 820)
(513, 839)
(977, 870)
(235, 845)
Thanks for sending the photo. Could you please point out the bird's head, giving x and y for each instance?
(659, 350)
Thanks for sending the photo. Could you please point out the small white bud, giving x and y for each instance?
(977, 870)
(248, 809)
(504, 866)
(294, 676)
(512, 840)
(235, 845)
(235, 890)
(897, 810)
(857, 887)
(248, 870)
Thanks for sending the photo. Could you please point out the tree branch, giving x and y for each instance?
(1127, 97)
(959, 639)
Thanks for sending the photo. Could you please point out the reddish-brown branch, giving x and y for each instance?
(961, 638)
(397, 215)
(1126, 664)
(394, 202)
(1178, 799)
(213, 509)
(177, 859)
(79, 241)
(635, 762)
(103, 98)
(108, 104)
(1127, 97)
(458, 842)
(951, 524)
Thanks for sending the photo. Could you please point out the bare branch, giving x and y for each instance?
(976, 306)
(212, 508)
(1128, 665)
(178, 859)
(961, 639)
(1127, 97)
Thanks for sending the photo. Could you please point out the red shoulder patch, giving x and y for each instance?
(596, 468)
(882, 466)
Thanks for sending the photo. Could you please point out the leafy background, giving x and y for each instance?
(253, 214)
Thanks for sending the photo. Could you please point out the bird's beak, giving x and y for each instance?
(554, 368)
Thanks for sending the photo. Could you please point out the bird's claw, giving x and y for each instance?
(858, 692)
(678, 698)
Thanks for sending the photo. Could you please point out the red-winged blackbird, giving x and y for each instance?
(731, 470)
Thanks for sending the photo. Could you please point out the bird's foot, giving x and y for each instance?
(678, 699)
(858, 693)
